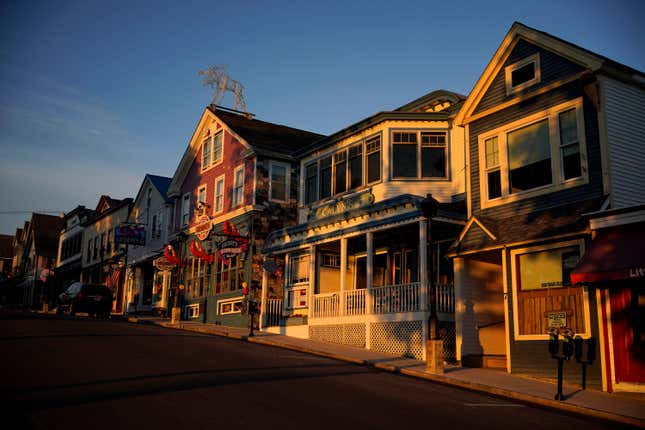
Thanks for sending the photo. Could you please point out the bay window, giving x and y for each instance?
(373, 151)
(325, 177)
(419, 154)
(340, 169)
(541, 153)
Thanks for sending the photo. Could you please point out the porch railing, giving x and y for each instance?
(387, 299)
(325, 305)
(396, 298)
(355, 302)
(273, 312)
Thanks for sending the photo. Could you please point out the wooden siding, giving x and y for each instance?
(475, 238)
(536, 304)
(552, 68)
(625, 119)
(559, 198)
(531, 357)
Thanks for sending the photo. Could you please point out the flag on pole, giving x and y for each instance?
(112, 279)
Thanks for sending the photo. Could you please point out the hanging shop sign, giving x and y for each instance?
(203, 227)
(130, 234)
(233, 243)
(162, 264)
(229, 249)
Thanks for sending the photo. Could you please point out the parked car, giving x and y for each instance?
(90, 298)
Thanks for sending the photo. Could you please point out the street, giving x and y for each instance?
(82, 373)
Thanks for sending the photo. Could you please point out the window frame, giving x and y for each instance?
(232, 302)
(557, 176)
(199, 191)
(287, 181)
(206, 164)
(216, 208)
(211, 139)
(419, 153)
(514, 254)
(185, 210)
(238, 188)
(508, 74)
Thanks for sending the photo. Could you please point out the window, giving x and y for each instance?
(355, 166)
(185, 210)
(238, 188)
(206, 153)
(201, 195)
(212, 151)
(311, 182)
(299, 272)
(297, 298)
(330, 260)
(279, 184)
(229, 275)
(544, 296)
(233, 306)
(340, 167)
(419, 154)
(522, 74)
(219, 194)
(538, 154)
(325, 177)
(373, 150)
(155, 233)
(404, 155)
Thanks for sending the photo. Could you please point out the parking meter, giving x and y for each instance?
(568, 345)
(554, 346)
(585, 354)
(561, 350)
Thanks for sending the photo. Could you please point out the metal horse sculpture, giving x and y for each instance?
(217, 78)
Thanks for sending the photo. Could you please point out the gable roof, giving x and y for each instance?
(260, 137)
(584, 57)
(6, 246)
(109, 205)
(412, 111)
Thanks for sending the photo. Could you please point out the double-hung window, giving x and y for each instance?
(419, 154)
(340, 169)
(311, 182)
(212, 151)
(279, 181)
(325, 177)
(185, 210)
(373, 154)
(219, 194)
(298, 281)
(541, 153)
(238, 187)
(355, 166)
(201, 195)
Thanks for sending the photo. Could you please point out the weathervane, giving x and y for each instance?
(217, 78)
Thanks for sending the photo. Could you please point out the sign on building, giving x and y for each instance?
(130, 234)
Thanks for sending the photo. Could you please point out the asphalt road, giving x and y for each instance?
(89, 374)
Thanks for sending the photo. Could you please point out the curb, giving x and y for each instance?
(472, 386)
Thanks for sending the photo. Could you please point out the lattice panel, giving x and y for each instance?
(346, 334)
(448, 333)
(404, 338)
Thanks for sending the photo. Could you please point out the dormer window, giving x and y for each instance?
(522, 74)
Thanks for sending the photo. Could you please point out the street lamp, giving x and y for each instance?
(176, 311)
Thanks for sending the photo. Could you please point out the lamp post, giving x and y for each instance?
(176, 310)
(434, 344)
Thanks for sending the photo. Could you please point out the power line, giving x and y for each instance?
(29, 212)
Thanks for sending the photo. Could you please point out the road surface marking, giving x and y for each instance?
(503, 405)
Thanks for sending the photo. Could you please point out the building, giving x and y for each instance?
(237, 181)
(379, 203)
(6, 255)
(39, 245)
(102, 261)
(70, 244)
(552, 134)
(147, 287)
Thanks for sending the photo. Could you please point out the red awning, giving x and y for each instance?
(616, 253)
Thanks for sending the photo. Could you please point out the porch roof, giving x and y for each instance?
(397, 210)
(483, 233)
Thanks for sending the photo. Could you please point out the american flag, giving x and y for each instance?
(113, 279)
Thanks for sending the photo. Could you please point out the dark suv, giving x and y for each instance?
(90, 298)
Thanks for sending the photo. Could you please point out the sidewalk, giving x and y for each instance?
(612, 407)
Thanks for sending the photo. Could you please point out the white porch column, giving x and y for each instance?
(423, 265)
(263, 299)
(460, 278)
(369, 270)
(312, 279)
(343, 273)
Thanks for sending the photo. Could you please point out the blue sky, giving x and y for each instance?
(95, 94)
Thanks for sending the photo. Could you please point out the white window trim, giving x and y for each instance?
(419, 147)
(287, 189)
(585, 294)
(192, 311)
(292, 290)
(184, 211)
(508, 70)
(213, 162)
(199, 189)
(209, 163)
(223, 179)
(238, 200)
(221, 303)
(557, 177)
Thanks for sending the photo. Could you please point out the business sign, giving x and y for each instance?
(162, 264)
(341, 206)
(130, 234)
(229, 249)
(557, 319)
(203, 227)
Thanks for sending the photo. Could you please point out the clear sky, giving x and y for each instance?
(95, 94)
